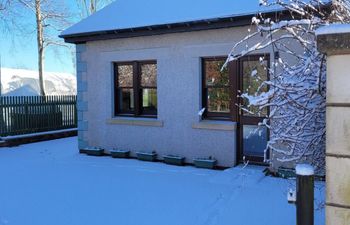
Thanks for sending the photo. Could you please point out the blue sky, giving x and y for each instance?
(18, 51)
(21, 51)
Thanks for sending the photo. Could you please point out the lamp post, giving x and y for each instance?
(303, 198)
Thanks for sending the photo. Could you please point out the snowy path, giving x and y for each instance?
(49, 183)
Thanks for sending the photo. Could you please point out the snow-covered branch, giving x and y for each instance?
(297, 88)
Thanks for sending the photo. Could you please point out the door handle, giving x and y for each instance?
(240, 109)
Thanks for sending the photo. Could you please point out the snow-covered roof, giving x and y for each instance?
(333, 29)
(129, 14)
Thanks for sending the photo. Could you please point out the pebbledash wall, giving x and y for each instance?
(178, 129)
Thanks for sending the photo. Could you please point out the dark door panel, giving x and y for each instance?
(252, 72)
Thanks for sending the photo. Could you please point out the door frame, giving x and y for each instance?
(235, 78)
(240, 119)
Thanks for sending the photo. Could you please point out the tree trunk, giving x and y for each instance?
(40, 41)
(92, 7)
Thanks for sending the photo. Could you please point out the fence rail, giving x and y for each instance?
(31, 114)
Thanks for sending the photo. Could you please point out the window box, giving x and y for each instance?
(145, 156)
(94, 151)
(174, 160)
(286, 173)
(120, 153)
(205, 163)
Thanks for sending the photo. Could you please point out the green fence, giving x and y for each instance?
(31, 114)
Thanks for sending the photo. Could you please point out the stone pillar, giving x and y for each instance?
(337, 48)
(82, 104)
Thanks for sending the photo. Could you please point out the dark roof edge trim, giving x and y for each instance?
(209, 24)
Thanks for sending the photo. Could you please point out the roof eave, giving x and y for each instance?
(207, 24)
(215, 23)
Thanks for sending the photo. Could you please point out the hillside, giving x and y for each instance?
(18, 82)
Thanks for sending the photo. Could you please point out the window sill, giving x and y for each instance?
(215, 125)
(148, 122)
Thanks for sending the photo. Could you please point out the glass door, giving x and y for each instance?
(252, 137)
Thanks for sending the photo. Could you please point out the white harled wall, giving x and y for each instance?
(178, 129)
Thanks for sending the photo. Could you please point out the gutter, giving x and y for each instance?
(198, 25)
(179, 27)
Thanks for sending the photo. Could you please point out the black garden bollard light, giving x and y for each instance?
(304, 196)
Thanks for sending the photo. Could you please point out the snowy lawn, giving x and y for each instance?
(49, 183)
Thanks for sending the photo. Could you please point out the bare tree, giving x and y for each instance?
(4, 4)
(4, 9)
(89, 7)
(296, 92)
(50, 19)
(40, 43)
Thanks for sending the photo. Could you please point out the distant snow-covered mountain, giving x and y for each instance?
(19, 82)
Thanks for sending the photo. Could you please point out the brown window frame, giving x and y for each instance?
(137, 88)
(234, 72)
(232, 89)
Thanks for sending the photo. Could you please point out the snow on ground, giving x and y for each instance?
(50, 183)
(19, 82)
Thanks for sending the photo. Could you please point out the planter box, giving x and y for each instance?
(93, 151)
(82, 151)
(144, 156)
(120, 153)
(174, 160)
(286, 173)
(205, 163)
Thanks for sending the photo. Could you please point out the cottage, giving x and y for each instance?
(150, 78)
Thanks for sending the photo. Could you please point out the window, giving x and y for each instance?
(217, 89)
(253, 73)
(221, 85)
(136, 89)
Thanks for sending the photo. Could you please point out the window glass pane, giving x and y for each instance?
(254, 74)
(218, 100)
(214, 75)
(149, 75)
(254, 140)
(126, 100)
(125, 75)
(149, 100)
